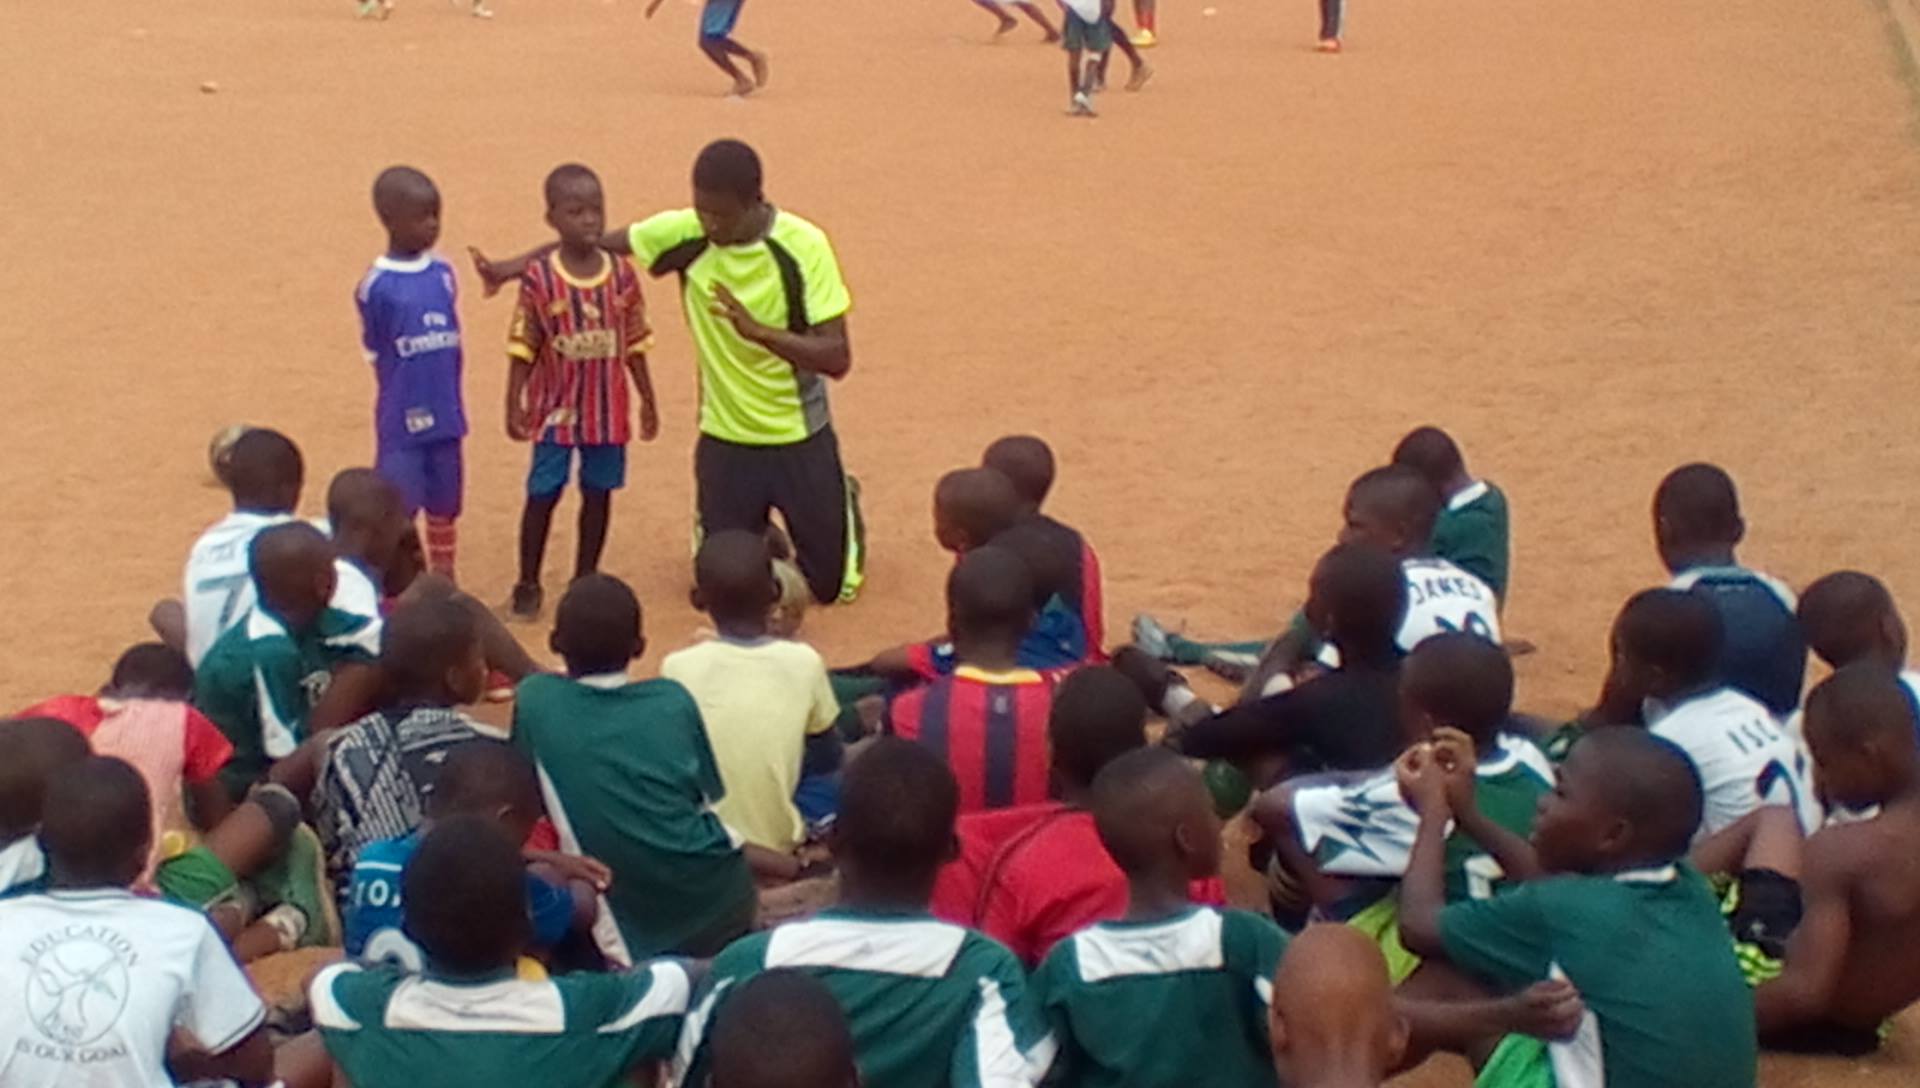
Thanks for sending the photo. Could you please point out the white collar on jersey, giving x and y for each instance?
(1666, 874)
(391, 264)
(1467, 495)
(605, 681)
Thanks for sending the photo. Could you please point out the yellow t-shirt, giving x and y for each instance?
(748, 394)
(760, 701)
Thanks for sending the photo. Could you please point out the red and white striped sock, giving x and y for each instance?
(442, 538)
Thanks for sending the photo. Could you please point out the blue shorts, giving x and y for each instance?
(717, 17)
(602, 468)
(430, 477)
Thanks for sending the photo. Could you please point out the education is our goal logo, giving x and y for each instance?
(77, 987)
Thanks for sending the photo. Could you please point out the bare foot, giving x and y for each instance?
(1052, 38)
(1140, 77)
(759, 63)
(742, 87)
(1007, 23)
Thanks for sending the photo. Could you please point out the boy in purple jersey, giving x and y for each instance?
(410, 331)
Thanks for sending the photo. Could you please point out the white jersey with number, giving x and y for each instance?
(219, 588)
(1745, 757)
(97, 982)
(1440, 597)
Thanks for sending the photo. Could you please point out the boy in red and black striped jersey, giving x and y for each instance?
(579, 331)
(988, 718)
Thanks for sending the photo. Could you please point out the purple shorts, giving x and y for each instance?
(429, 477)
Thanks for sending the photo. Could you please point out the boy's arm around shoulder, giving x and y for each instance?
(1837, 859)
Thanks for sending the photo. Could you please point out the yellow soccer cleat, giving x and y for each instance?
(1144, 39)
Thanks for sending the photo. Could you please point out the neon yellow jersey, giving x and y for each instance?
(748, 394)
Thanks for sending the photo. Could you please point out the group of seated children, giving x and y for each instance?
(1031, 882)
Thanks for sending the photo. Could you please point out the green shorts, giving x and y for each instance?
(197, 879)
(1381, 921)
(1079, 35)
(1519, 1061)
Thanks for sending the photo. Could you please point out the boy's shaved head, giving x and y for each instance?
(293, 568)
(34, 752)
(152, 670)
(1394, 507)
(1154, 814)
(782, 1029)
(1648, 782)
(265, 471)
(990, 592)
(1696, 516)
(597, 626)
(1358, 597)
(569, 177)
(971, 506)
(1849, 616)
(1097, 717)
(464, 894)
(97, 825)
(1025, 460)
(1432, 453)
(360, 496)
(731, 168)
(402, 189)
(1860, 726)
(481, 777)
(1333, 1012)
(733, 575)
(426, 642)
(1460, 680)
(1861, 702)
(898, 802)
(1673, 631)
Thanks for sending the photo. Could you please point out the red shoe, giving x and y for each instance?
(1328, 45)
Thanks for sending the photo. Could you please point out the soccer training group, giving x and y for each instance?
(1087, 31)
(1012, 854)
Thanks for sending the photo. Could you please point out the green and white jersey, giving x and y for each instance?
(1648, 951)
(1472, 534)
(1166, 1004)
(929, 1005)
(630, 779)
(384, 1027)
(261, 679)
(1366, 829)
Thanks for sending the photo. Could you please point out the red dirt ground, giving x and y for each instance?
(1593, 240)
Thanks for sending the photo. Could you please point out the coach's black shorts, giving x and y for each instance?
(739, 485)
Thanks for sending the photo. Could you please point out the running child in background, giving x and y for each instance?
(410, 330)
(1087, 36)
(998, 9)
(142, 716)
(717, 20)
(579, 334)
